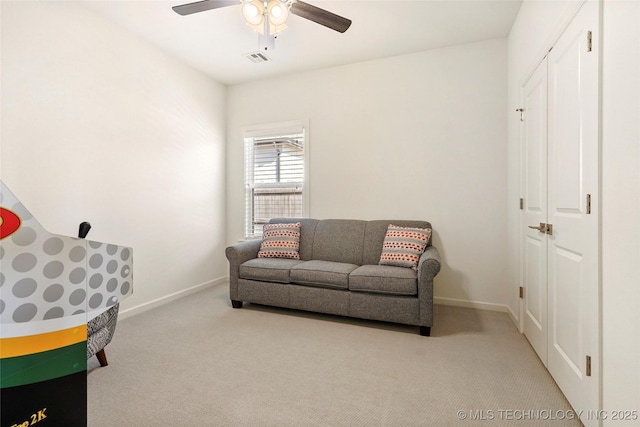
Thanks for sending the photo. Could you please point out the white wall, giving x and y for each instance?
(538, 24)
(419, 136)
(97, 125)
(621, 206)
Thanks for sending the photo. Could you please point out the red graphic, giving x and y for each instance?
(9, 223)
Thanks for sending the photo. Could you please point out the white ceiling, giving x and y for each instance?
(215, 41)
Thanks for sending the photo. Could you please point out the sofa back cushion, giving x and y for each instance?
(339, 240)
(375, 233)
(345, 240)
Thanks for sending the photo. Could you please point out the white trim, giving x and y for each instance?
(520, 239)
(514, 319)
(520, 323)
(267, 130)
(601, 310)
(552, 40)
(133, 311)
(454, 302)
(273, 129)
(307, 174)
(479, 305)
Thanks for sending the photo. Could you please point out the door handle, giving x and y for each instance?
(542, 228)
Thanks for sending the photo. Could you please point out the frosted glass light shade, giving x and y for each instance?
(253, 12)
(278, 12)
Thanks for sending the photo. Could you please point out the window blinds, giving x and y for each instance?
(274, 180)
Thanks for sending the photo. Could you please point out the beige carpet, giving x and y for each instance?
(198, 362)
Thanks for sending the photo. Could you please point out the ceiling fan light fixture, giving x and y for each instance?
(265, 16)
(257, 28)
(278, 12)
(253, 12)
(273, 30)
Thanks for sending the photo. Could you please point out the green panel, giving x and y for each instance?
(33, 368)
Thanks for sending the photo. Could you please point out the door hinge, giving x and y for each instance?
(589, 41)
(521, 203)
(521, 291)
(588, 366)
(521, 111)
(588, 203)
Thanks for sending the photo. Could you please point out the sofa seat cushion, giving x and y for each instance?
(384, 279)
(327, 274)
(268, 269)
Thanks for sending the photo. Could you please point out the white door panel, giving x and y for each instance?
(560, 149)
(566, 308)
(534, 95)
(573, 174)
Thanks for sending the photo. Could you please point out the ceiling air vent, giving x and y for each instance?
(257, 57)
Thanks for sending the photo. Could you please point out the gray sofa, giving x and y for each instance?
(338, 273)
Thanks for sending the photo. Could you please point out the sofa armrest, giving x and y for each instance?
(237, 254)
(429, 263)
(428, 268)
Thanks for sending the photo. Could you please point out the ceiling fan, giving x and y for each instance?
(268, 17)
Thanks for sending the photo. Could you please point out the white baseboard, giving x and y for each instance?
(514, 318)
(471, 304)
(479, 305)
(132, 311)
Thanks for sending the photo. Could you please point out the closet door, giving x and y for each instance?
(573, 196)
(534, 151)
(561, 234)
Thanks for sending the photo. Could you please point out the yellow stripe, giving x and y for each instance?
(31, 344)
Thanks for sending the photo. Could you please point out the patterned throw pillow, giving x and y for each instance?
(280, 241)
(403, 246)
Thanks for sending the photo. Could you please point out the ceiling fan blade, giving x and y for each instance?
(320, 16)
(201, 6)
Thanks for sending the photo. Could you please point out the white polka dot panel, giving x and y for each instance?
(45, 276)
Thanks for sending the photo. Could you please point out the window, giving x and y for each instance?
(275, 162)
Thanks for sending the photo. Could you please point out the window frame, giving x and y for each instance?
(274, 130)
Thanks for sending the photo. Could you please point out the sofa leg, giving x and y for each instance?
(102, 358)
(425, 331)
(236, 304)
